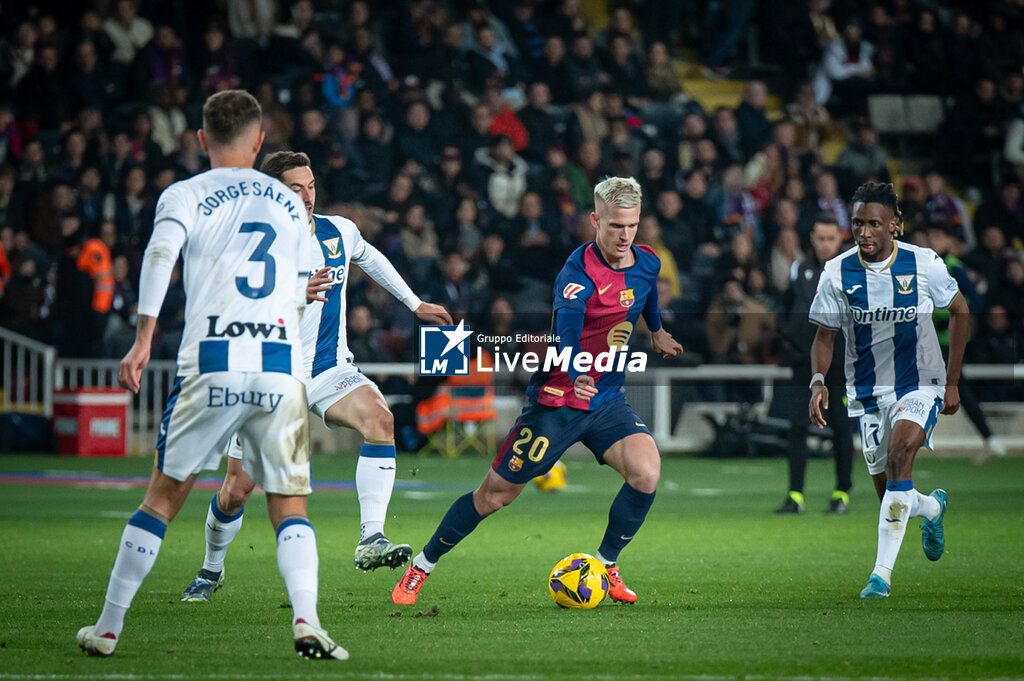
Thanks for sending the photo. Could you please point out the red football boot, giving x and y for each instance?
(617, 589)
(408, 587)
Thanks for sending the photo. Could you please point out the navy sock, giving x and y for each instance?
(625, 517)
(459, 521)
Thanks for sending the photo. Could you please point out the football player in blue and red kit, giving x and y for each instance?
(600, 294)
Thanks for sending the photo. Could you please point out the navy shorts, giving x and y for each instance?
(542, 434)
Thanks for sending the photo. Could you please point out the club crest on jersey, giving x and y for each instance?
(332, 246)
(905, 282)
(626, 298)
(570, 291)
(515, 464)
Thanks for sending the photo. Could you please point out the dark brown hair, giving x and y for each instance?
(280, 162)
(227, 114)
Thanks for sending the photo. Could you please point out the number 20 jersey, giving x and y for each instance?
(245, 247)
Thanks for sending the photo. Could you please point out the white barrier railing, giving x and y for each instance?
(663, 421)
(27, 374)
(147, 407)
(31, 372)
(651, 399)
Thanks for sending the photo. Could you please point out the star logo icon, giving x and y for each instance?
(456, 336)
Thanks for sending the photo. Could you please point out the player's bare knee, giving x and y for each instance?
(646, 480)
(381, 425)
(488, 499)
(488, 502)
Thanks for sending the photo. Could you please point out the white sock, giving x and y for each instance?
(421, 562)
(925, 507)
(604, 561)
(140, 544)
(220, 531)
(375, 478)
(299, 565)
(892, 526)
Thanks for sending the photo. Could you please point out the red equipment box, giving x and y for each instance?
(91, 421)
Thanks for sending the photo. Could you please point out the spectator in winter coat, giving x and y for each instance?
(501, 175)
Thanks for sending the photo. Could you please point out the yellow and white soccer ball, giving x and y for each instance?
(578, 581)
(553, 480)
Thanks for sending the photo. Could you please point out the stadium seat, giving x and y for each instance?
(924, 113)
(906, 114)
(460, 416)
(888, 114)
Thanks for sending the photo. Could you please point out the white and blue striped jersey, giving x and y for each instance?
(885, 312)
(244, 249)
(335, 242)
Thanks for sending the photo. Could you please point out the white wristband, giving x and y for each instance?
(817, 378)
(412, 302)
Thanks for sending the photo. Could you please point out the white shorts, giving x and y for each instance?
(322, 393)
(332, 385)
(266, 410)
(922, 406)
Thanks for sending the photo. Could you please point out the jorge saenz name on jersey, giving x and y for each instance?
(231, 192)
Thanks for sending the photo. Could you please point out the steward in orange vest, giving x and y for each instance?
(85, 291)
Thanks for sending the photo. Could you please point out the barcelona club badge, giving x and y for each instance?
(515, 464)
(626, 298)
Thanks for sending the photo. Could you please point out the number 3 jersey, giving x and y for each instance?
(885, 312)
(245, 247)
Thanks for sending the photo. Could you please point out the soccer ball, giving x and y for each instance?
(578, 581)
(553, 480)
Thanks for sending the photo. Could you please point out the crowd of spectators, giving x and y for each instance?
(464, 138)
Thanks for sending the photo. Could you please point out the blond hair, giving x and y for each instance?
(621, 192)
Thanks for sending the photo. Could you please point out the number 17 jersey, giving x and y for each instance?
(244, 250)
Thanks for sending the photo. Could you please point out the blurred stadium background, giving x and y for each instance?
(464, 139)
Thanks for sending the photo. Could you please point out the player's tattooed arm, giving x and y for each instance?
(664, 344)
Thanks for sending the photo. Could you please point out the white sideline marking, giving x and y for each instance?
(419, 494)
(116, 514)
(707, 492)
(746, 471)
(381, 676)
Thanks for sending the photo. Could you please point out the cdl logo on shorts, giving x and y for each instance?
(444, 350)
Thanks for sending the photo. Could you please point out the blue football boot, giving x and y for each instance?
(933, 539)
(876, 588)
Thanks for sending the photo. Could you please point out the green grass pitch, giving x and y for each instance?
(727, 590)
